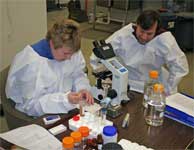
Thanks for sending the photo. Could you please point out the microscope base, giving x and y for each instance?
(114, 111)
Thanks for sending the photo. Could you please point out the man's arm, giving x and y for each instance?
(176, 62)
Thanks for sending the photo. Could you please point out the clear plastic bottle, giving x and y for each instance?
(77, 137)
(154, 113)
(103, 113)
(68, 143)
(148, 86)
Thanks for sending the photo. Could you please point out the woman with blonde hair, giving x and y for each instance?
(48, 77)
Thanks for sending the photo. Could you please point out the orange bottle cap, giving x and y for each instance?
(68, 142)
(76, 135)
(153, 74)
(84, 131)
(158, 88)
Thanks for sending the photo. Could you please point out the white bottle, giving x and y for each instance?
(109, 134)
(154, 113)
(148, 86)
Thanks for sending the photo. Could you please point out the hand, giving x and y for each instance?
(74, 97)
(87, 96)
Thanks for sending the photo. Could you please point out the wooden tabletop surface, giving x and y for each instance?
(171, 135)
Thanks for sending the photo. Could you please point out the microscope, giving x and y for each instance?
(104, 51)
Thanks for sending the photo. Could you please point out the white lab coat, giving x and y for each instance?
(140, 59)
(38, 85)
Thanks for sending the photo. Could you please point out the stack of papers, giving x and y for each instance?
(32, 137)
(180, 108)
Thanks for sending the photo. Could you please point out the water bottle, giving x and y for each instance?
(154, 113)
(148, 86)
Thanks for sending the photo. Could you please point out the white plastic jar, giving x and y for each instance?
(109, 134)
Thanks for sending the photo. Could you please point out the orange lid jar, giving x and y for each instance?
(84, 130)
(68, 143)
(76, 135)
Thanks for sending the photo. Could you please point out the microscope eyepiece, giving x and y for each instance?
(102, 42)
(96, 44)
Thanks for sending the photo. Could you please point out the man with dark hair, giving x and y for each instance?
(144, 46)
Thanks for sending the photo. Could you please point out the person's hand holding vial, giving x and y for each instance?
(75, 97)
(82, 98)
(87, 96)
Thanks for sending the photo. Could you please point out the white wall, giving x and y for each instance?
(22, 22)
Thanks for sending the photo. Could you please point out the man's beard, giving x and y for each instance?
(142, 42)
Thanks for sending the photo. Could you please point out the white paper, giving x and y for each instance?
(33, 137)
(181, 102)
(128, 145)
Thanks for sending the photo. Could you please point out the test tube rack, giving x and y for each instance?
(92, 121)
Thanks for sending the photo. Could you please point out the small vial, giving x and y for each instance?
(82, 104)
(125, 122)
(99, 141)
(103, 115)
(91, 144)
(76, 135)
(68, 143)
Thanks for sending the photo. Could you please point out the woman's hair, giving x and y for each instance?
(147, 19)
(65, 33)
